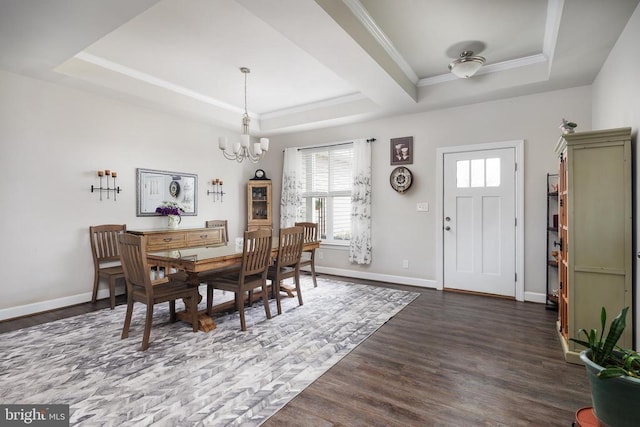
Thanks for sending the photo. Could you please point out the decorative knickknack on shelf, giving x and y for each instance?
(172, 211)
(174, 220)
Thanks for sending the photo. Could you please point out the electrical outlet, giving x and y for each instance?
(422, 207)
(320, 255)
(405, 263)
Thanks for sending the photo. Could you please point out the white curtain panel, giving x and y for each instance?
(360, 246)
(291, 200)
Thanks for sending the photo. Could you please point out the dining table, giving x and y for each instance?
(198, 261)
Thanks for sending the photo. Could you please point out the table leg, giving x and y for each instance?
(289, 290)
(205, 322)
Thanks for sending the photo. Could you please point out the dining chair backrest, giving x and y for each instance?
(310, 235)
(256, 252)
(104, 243)
(140, 288)
(222, 224)
(290, 242)
(134, 262)
(106, 258)
(310, 231)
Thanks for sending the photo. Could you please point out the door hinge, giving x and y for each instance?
(516, 222)
(516, 166)
(516, 276)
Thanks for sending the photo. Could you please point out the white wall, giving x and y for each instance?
(53, 140)
(616, 103)
(399, 231)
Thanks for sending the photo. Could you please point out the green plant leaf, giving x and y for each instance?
(611, 372)
(631, 362)
(615, 332)
(621, 362)
(580, 342)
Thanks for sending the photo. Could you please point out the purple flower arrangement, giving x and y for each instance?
(170, 208)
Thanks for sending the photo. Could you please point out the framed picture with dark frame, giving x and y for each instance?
(402, 151)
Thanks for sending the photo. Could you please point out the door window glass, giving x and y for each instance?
(493, 172)
(478, 173)
(462, 173)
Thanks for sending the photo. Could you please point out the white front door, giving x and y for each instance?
(479, 221)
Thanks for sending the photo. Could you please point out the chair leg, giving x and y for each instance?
(210, 300)
(298, 291)
(240, 308)
(172, 311)
(265, 299)
(313, 269)
(275, 284)
(250, 299)
(127, 318)
(194, 311)
(96, 282)
(147, 327)
(112, 292)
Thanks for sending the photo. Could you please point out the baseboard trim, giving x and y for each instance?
(570, 356)
(401, 280)
(42, 306)
(39, 307)
(54, 304)
(535, 297)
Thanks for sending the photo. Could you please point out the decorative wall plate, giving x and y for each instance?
(401, 179)
(174, 188)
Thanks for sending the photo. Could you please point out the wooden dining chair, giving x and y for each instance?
(256, 257)
(287, 265)
(309, 256)
(222, 224)
(104, 248)
(140, 288)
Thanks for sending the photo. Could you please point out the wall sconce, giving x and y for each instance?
(106, 174)
(217, 190)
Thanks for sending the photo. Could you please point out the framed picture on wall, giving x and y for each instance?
(402, 151)
(155, 187)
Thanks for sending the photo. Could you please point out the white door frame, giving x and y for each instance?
(518, 146)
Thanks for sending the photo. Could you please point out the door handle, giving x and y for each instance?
(447, 228)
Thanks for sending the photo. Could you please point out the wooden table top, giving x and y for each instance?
(206, 258)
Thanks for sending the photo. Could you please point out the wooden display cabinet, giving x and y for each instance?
(259, 204)
(595, 230)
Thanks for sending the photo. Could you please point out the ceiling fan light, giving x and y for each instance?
(467, 65)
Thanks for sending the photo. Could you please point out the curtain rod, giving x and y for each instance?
(313, 147)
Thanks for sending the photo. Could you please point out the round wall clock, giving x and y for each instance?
(174, 188)
(401, 179)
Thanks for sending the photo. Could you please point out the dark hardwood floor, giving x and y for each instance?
(447, 359)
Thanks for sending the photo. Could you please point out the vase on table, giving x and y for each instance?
(174, 220)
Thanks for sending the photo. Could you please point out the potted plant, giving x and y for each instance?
(172, 210)
(614, 373)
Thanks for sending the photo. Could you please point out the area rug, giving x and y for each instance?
(223, 377)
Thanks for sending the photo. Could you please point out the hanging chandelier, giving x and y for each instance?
(243, 150)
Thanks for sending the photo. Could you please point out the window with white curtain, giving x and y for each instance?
(326, 190)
